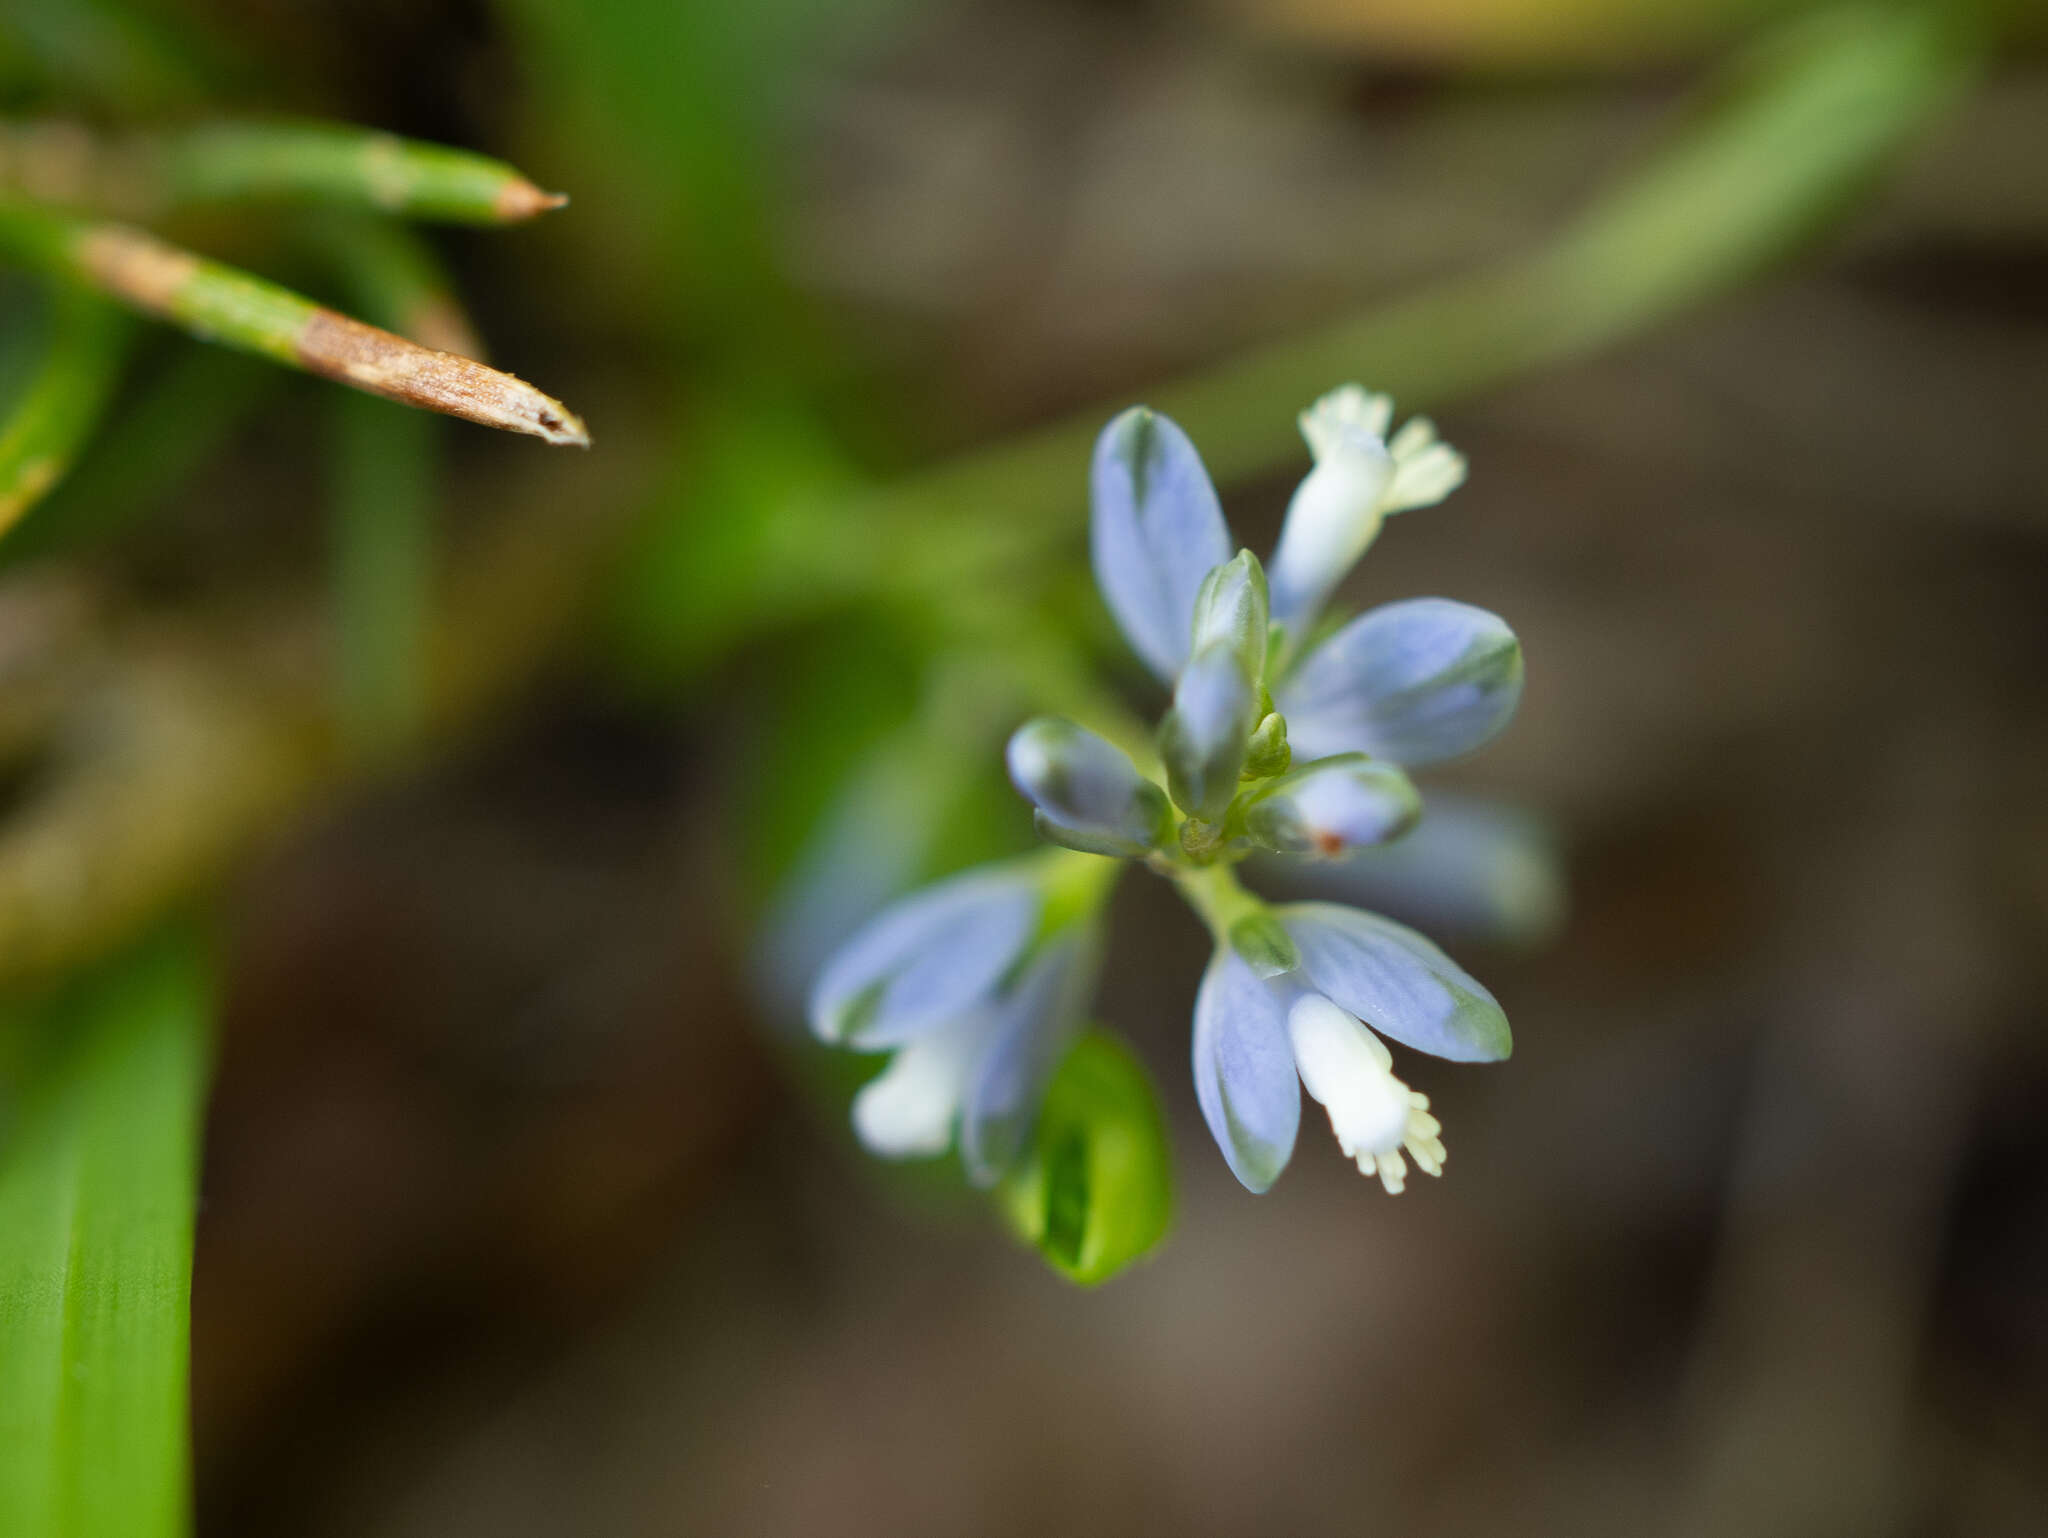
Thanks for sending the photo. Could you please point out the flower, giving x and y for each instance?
(977, 984)
(1356, 974)
(1358, 480)
(1276, 742)
(1413, 682)
(1298, 749)
(1088, 794)
(1332, 807)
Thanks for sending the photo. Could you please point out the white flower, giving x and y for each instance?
(1358, 480)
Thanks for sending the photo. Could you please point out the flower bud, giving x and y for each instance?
(1268, 753)
(1359, 479)
(1230, 609)
(1336, 509)
(1333, 805)
(1203, 737)
(1088, 794)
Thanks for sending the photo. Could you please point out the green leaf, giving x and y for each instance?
(1096, 1191)
(50, 422)
(99, 1151)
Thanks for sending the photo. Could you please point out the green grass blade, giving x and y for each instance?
(98, 1181)
(382, 533)
(62, 404)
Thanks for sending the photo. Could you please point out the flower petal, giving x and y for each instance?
(1244, 1070)
(1424, 475)
(1345, 410)
(1414, 682)
(1086, 789)
(907, 1110)
(928, 960)
(1334, 515)
(1204, 737)
(1156, 531)
(1471, 869)
(1033, 1026)
(1333, 806)
(1350, 1073)
(1397, 982)
(1231, 609)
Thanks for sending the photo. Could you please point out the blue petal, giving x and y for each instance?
(1244, 1070)
(1471, 869)
(1087, 788)
(1029, 1033)
(1397, 982)
(1414, 682)
(1332, 806)
(1156, 532)
(928, 960)
(1205, 735)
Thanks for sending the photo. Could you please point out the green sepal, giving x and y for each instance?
(1095, 1191)
(1230, 608)
(1086, 840)
(1263, 944)
(1268, 753)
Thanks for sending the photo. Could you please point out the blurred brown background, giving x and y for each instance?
(516, 1223)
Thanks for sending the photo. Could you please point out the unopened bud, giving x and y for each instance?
(1088, 793)
(1333, 805)
(1203, 736)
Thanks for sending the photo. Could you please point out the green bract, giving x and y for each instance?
(1095, 1191)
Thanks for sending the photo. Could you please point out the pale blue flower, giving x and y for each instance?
(928, 959)
(977, 985)
(1414, 682)
(1358, 974)
(977, 1000)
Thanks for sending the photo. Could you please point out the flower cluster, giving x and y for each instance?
(1285, 735)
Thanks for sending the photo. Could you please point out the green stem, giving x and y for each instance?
(63, 402)
(389, 273)
(145, 177)
(346, 167)
(1076, 886)
(220, 304)
(1215, 893)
